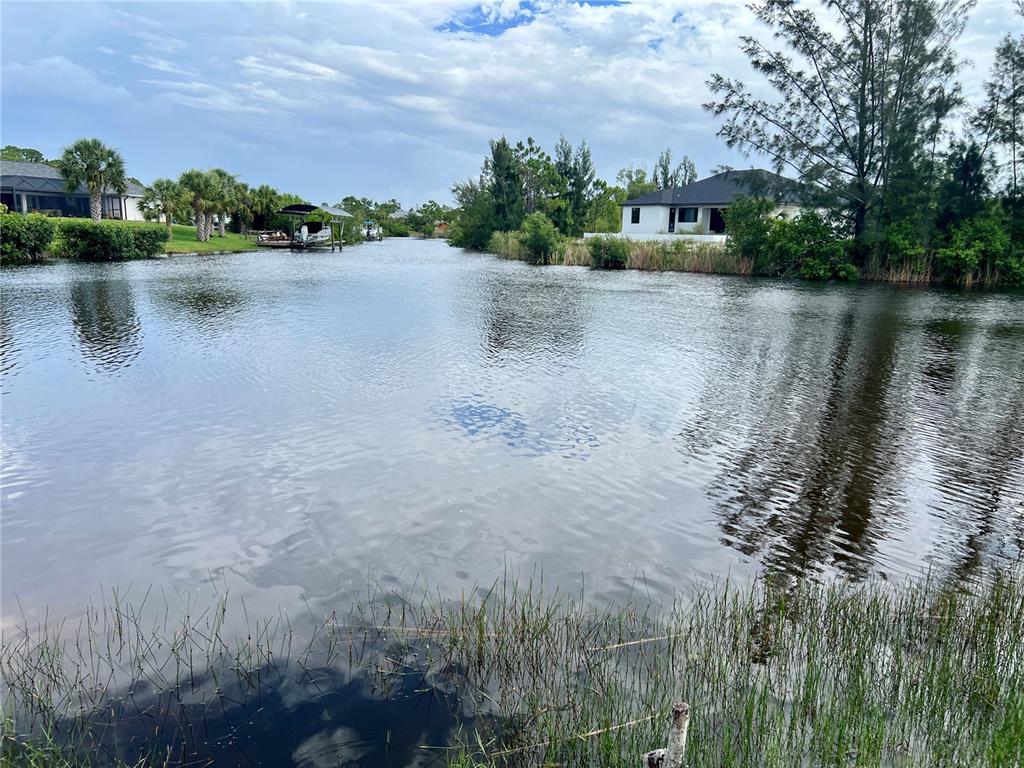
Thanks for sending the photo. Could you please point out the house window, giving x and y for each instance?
(634, 217)
(687, 215)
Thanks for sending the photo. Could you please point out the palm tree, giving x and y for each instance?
(199, 192)
(241, 209)
(99, 167)
(161, 198)
(224, 196)
(265, 202)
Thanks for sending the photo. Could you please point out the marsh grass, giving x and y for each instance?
(651, 256)
(807, 675)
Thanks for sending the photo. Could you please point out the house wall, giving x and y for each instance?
(131, 209)
(654, 219)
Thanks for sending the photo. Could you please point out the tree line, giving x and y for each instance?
(214, 198)
(521, 185)
(867, 111)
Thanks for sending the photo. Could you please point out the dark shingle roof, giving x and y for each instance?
(721, 188)
(40, 177)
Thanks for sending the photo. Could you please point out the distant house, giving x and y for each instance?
(29, 187)
(697, 208)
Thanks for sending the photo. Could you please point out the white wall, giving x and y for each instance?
(654, 219)
(131, 208)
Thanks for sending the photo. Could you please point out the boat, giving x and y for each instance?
(372, 230)
(315, 228)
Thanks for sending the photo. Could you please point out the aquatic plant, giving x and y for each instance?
(922, 673)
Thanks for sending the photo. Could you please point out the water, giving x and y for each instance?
(294, 427)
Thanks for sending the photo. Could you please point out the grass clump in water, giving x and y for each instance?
(809, 675)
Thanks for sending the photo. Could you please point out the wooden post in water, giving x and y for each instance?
(672, 755)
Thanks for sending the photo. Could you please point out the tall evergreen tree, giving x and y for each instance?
(856, 106)
(965, 187)
(506, 186)
(581, 188)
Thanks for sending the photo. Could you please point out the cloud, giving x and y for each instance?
(197, 94)
(160, 43)
(161, 65)
(284, 66)
(59, 78)
(401, 96)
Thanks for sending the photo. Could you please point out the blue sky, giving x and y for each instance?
(390, 99)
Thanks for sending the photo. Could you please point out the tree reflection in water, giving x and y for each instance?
(106, 323)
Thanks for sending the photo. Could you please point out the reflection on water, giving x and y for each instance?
(297, 425)
(103, 314)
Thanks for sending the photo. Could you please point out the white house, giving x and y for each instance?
(27, 187)
(697, 208)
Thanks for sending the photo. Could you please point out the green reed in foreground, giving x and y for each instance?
(835, 675)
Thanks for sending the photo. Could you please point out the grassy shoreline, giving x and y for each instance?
(871, 675)
(694, 257)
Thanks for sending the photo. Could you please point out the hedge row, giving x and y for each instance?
(24, 239)
(106, 241)
(29, 238)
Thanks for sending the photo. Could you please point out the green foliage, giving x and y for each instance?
(965, 185)
(901, 247)
(748, 223)
(635, 182)
(667, 177)
(476, 221)
(107, 241)
(979, 245)
(162, 199)
(810, 247)
(608, 252)
(540, 239)
(99, 167)
(505, 186)
(829, 74)
(24, 238)
(22, 154)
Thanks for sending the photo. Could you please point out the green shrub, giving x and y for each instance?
(24, 238)
(978, 245)
(608, 252)
(107, 241)
(810, 247)
(748, 222)
(540, 239)
(903, 249)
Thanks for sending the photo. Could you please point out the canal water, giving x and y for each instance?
(299, 429)
(301, 425)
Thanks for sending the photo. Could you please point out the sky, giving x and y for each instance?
(387, 99)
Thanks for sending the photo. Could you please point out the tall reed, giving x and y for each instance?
(924, 673)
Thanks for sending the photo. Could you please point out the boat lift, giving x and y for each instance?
(311, 232)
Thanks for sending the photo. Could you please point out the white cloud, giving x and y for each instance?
(397, 104)
(159, 42)
(161, 65)
(287, 67)
(60, 78)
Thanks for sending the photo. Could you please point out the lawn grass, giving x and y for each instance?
(183, 238)
(927, 673)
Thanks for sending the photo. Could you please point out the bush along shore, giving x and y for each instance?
(918, 674)
(34, 238)
(807, 246)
